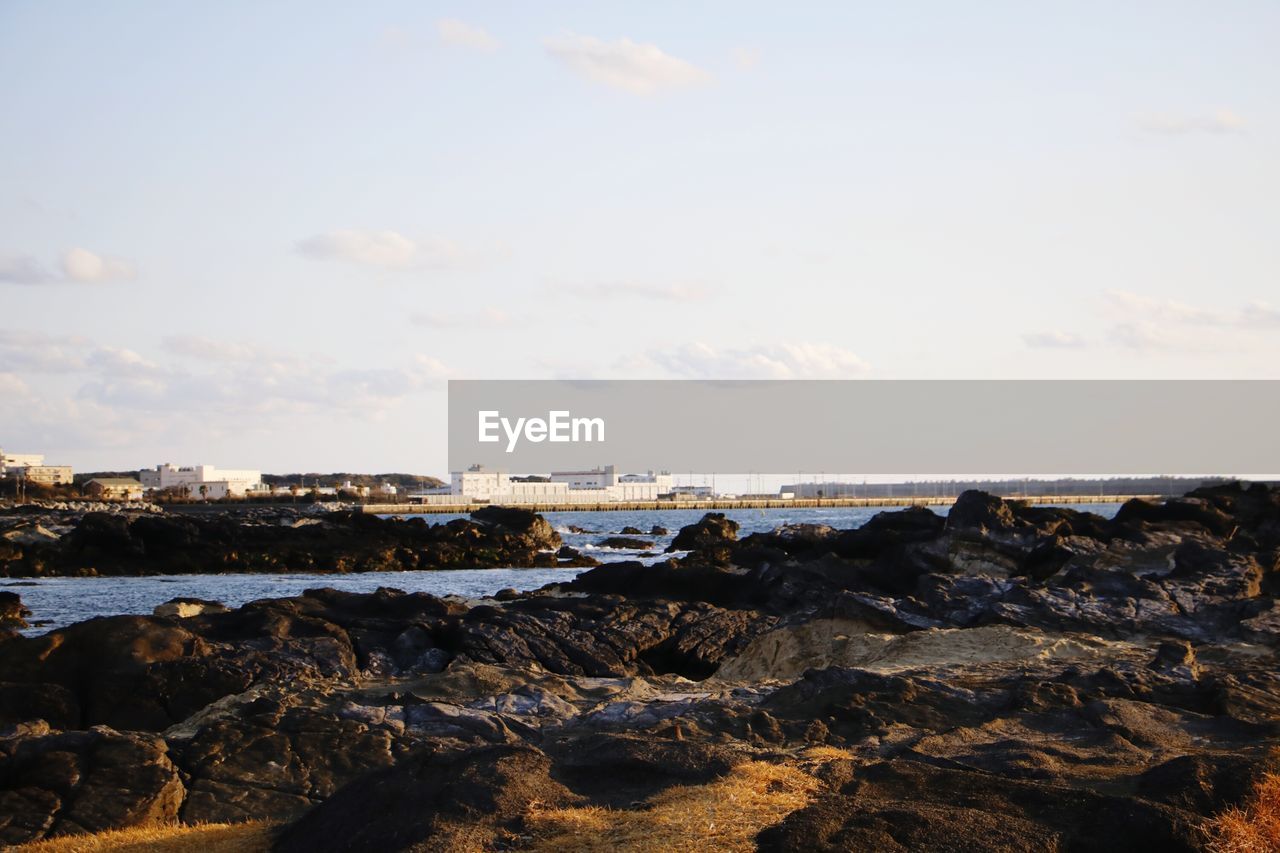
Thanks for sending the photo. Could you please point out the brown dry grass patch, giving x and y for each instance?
(1253, 827)
(723, 815)
(251, 837)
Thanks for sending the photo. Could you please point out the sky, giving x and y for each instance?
(264, 235)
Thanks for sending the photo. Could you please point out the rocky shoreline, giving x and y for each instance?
(42, 543)
(1006, 678)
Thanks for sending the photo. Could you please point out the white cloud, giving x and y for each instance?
(208, 349)
(1222, 121)
(23, 269)
(639, 290)
(36, 352)
(12, 387)
(1149, 336)
(746, 58)
(374, 248)
(1054, 340)
(119, 361)
(642, 69)
(78, 265)
(768, 361)
(461, 34)
(1145, 323)
(1259, 315)
(1126, 305)
(82, 265)
(392, 250)
(489, 318)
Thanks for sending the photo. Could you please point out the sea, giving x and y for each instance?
(57, 602)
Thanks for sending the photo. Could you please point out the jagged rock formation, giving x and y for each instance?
(117, 543)
(1006, 678)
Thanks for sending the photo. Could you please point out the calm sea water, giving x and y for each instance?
(56, 602)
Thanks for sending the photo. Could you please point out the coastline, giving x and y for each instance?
(1006, 666)
(737, 503)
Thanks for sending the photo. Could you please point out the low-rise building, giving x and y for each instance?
(48, 475)
(202, 481)
(19, 460)
(598, 485)
(114, 489)
(31, 467)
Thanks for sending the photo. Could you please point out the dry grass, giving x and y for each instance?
(723, 815)
(252, 837)
(825, 753)
(1253, 827)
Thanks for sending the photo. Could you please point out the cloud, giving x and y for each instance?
(374, 248)
(489, 318)
(36, 352)
(82, 265)
(78, 265)
(23, 269)
(1127, 305)
(1259, 315)
(1146, 323)
(12, 387)
(100, 393)
(1145, 336)
(1222, 121)
(461, 34)
(641, 69)
(746, 58)
(1053, 340)
(769, 361)
(639, 290)
(391, 250)
(210, 350)
(228, 389)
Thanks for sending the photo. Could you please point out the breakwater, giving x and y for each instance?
(734, 503)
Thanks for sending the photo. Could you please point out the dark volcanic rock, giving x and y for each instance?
(625, 542)
(153, 543)
(712, 538)
(907, 805)
(438, 800)
(75, 782)
(13, 612)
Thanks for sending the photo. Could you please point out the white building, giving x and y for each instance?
(599, 485)
(596, 478)
(202, 481)
(20, 460)
(479, 483)
(31, 467)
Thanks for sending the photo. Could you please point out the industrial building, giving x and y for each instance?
(597, 485)
(202, 481)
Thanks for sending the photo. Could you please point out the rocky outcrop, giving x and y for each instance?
(439, 799)
(625, 542)
(67, 783)
(181, 608)
(711, 536)
(1007, 678)
(118, 543)
(13, 613)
